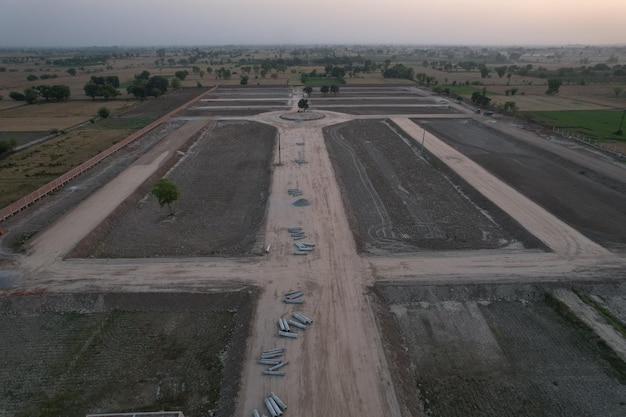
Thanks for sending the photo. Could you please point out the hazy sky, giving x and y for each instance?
(219, 22)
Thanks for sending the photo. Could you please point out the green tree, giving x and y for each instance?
(308, 90)
(181, 75)
(32, 77)
(484, 71)
(104, 112)
(501, 71)
(102, 87)
(334, 88)
(17, 96)
(30, 95)
(243, 79)
(303, 104)
(54, 92)
(553, 86)
(324, 89)
(71, 71)
(175, 83)
(166, 192)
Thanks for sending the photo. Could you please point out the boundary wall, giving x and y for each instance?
(53, 185)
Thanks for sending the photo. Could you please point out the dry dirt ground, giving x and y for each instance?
(386, 352)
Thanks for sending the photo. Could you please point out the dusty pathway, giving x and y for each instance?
(337, 366)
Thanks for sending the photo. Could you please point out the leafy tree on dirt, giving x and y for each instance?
(399, 71)
(181, 75)
(303, 104)
(54, 92)
(30, 95)
(501, 71)
(17, 96)
(243, 79)
(142, 87)
(308, 90)
(334, 88)
(145, 75)
(484, 71)
(553, 86)
(480, 98)
(324, 89)
(32, 77)
(175, 83)
(102, 87)
(71, 71)
(104, 112)
(166, 192)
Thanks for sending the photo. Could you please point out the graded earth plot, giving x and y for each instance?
(501, 351)
(365, 101)
(397, 201)
(73, 355)
(224, 185)
(244, 101)
(591, 203)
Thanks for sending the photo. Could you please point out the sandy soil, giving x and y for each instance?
(337, 367)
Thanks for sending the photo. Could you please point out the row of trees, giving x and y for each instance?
(48, 92)
(145, 86)
(106, 87)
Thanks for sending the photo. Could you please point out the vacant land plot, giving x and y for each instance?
(380, 100)
(94, 353)
(591, 203)
(501, 351)
(398, 201)
(232, 101)
(224, 185)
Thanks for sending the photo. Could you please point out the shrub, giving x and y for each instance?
(17, 96)
(104, 112)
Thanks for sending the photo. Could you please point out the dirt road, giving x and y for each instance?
(337, 366)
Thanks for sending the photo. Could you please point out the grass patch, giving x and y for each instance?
(462, 90)
(18, 241)
(25, 171)
(595, 124)
(587, 333)
(122, 361)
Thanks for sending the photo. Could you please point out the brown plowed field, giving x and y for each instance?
(592, 203)
(399, 201)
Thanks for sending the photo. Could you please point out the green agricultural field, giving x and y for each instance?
(462, 90)
(595, 124)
